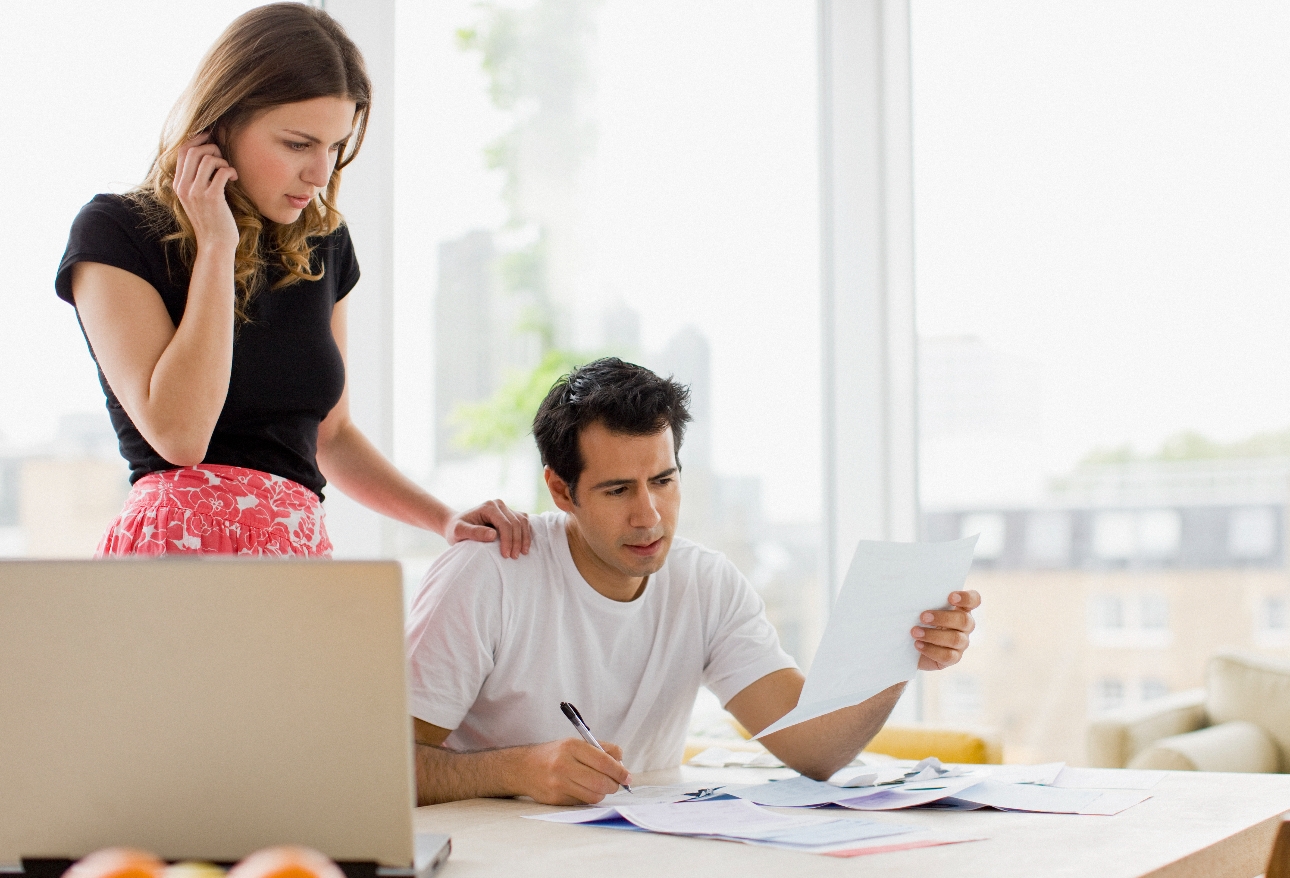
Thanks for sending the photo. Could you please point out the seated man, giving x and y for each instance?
(612, 612)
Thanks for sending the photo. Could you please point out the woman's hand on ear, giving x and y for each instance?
(201, 173)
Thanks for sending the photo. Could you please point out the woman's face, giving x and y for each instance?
(284, 156)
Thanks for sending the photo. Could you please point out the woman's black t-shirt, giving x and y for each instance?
(287, 371)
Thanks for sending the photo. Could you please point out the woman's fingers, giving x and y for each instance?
(513, 532)
(197, 173)
(206, 170)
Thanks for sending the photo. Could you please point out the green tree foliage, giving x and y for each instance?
(1191, 445)
(498, 423)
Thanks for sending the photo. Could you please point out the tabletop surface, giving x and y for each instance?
(1196, 824)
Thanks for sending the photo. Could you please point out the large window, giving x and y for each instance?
(1102, 198)
(581, 178)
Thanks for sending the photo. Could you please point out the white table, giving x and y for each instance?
(1196, 825)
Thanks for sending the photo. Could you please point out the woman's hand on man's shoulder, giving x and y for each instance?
(490, 521)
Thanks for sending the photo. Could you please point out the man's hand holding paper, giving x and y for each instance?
(867, 653)
(942, 635)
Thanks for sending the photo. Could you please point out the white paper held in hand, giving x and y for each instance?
(867, 646)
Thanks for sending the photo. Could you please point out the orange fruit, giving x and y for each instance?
(117, 863)
(287, 861)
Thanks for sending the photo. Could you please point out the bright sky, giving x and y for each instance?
(1101, 189)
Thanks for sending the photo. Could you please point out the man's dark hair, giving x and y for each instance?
(626, 398)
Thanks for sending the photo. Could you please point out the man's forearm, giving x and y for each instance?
(819, 747)
(448, 776)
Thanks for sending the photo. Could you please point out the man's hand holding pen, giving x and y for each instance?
(571, 772)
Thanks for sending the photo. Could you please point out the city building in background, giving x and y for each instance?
(1113, 591)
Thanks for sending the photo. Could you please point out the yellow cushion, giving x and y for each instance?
(947, 745)
(919, 742)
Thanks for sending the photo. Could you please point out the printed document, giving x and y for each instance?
(866, 646)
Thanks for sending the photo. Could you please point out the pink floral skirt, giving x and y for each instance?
(217, 510)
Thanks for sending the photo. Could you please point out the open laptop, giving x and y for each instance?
(205, 708)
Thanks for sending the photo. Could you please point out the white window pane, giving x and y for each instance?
(1159, 533)
(1115, 535)
(1252, 533)
(1048, 538)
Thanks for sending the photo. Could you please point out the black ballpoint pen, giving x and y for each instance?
(571, 713)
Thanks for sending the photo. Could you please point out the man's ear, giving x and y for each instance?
(559, 489)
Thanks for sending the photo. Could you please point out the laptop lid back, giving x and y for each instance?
(203, 708)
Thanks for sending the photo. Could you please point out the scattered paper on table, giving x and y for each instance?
(866, 646)
(1028, 797)
(957, 789)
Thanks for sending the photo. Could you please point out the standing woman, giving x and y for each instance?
(213, 301)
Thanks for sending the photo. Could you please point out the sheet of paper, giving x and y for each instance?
(1028, 797)
(866, 646)
(1107, 779)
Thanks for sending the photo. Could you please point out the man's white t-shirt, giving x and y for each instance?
(494, 645)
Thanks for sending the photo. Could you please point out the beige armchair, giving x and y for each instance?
(1240, 721)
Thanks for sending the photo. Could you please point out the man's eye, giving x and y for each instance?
(615, 492)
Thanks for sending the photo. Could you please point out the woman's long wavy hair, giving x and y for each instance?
(273, 55)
